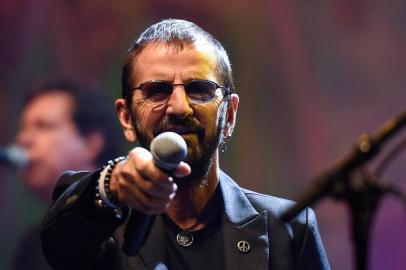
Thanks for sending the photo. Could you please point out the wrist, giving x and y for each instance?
(104, 198)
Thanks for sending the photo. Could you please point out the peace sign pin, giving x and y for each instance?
(243, 246)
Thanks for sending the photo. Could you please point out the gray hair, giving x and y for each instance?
(177, 33)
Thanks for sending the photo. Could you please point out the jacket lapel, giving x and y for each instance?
(243, 228)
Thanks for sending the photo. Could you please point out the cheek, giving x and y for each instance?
(47, 145)
(142, 114)
(66, 148)
(50, 157)
(209, 117)
(147, 117)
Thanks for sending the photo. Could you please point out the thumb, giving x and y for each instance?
(182, 170)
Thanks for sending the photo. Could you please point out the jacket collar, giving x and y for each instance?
(237, 208)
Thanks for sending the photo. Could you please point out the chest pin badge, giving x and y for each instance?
(184, 238)
(243, 246)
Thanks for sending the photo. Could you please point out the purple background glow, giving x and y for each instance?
(311, 75)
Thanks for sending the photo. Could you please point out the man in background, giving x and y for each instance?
(63, 126)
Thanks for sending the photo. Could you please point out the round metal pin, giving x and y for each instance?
(184, 238)
(243, 246)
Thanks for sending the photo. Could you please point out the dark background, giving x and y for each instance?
(311, 75)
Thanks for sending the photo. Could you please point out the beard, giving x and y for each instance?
(200, 152)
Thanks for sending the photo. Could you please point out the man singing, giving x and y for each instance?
(58, 132)
(176, 77)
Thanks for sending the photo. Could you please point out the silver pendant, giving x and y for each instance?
(184, 238)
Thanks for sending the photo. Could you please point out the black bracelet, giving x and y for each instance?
(103, 197)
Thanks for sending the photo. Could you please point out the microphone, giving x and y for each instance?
(13, 156)
(168, 150)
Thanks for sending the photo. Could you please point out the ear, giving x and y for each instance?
(124, 116)
(231, 115)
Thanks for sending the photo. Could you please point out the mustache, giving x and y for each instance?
(185, 125)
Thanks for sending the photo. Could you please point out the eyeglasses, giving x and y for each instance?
(197, 91)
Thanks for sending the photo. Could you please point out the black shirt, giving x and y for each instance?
(206, 250)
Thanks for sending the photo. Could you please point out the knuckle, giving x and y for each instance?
(148, 187)
(139, 153)
(141, 165)
(122, 183)
(133, 153)
(125, 174)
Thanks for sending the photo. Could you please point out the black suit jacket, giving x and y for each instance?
(77, 235)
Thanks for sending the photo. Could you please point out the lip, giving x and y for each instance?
(181, 130)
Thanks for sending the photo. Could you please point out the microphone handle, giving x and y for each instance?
(136, 232)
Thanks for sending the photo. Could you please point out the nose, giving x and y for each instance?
(178, 104)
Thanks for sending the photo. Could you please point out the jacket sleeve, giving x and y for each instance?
(74, 230)
(312, 254)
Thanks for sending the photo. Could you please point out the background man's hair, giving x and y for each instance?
(177, 33)
(93, 111)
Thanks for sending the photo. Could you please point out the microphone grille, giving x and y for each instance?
(168, 150)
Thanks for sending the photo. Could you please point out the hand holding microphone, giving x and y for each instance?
(144, 184)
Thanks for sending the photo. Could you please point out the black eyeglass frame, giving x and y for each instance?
(226, 91)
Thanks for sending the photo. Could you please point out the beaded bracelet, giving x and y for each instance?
(104, 198)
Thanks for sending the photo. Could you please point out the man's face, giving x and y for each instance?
(51, 140)
(199, 124)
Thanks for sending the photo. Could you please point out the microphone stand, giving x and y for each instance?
(347, 181)
(363, 201)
